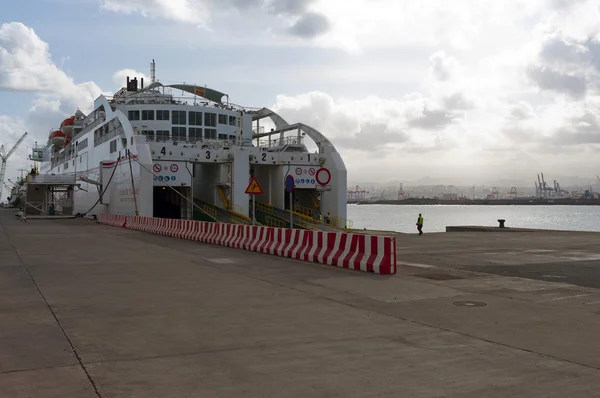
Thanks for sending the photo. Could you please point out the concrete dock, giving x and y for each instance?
(88, 310)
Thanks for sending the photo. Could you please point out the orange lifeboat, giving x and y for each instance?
(57, 138)
(67, 126)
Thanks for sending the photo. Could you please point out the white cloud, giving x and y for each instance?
(25, 65)
(441, 87)
(191, 11)
(373, 123)
(442, 66)
(295, 15)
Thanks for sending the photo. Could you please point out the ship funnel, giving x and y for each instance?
(152, 72)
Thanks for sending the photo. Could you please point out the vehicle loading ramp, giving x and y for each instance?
(222, 215)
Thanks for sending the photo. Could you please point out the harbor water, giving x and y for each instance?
(402, 218)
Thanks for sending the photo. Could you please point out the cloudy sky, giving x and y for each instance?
(463, 90)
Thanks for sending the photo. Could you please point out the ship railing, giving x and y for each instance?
(90, 126)
(280, 142)
(303, 210)
(276, 223)
(210, 211)
(105, 137)
(201, 143)
(341, 222)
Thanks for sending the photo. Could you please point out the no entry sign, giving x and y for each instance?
(323, 176)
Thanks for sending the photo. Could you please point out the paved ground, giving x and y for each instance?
(567, 257)
(89, 310)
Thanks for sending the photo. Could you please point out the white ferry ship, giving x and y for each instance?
(156, 150)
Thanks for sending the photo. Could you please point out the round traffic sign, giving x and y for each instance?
(174, 168)
(289, 183)
(298, 171)
(157, 168)
(311, 171)
(323, 176)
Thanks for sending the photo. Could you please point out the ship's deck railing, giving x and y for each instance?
(90, 126)
(273, 222)
(277, 143)
(112, 133)
(303, 210)
(211, 144)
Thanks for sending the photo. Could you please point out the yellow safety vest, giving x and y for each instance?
(420, 221)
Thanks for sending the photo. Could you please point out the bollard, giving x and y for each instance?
(501, 223)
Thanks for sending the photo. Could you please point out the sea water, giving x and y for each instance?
(402, 218)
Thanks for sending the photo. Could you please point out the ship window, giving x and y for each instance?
(195, 118)
(232, 120)
(162, 135)
(113, 146)
(195, 134)
(222, 119)
(222, 136)
(179, 133)
(162, 115)
(210, 134)
(148, 115)
(179, 117)
(149, 134)
(210, 119)
(82, 144)
(134, 115)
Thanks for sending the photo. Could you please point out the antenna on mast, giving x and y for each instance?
(153, 72)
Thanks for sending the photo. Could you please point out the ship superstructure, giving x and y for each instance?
(154, 150)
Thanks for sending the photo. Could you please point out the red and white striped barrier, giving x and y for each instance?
(345, 250)
(115, 220)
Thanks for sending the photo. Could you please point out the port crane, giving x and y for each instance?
(400, 193)
(542, 188)
(357, 194)
(4, 158)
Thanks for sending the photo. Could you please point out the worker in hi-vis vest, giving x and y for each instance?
(420, 224)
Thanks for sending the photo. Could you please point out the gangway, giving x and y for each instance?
(50, 195)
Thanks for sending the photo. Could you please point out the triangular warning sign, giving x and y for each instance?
(254, 188)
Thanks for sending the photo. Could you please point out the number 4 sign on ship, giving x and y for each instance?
(254, 188)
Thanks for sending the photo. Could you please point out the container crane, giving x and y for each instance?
(4, 158)
(401, 193)
(358, 194)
